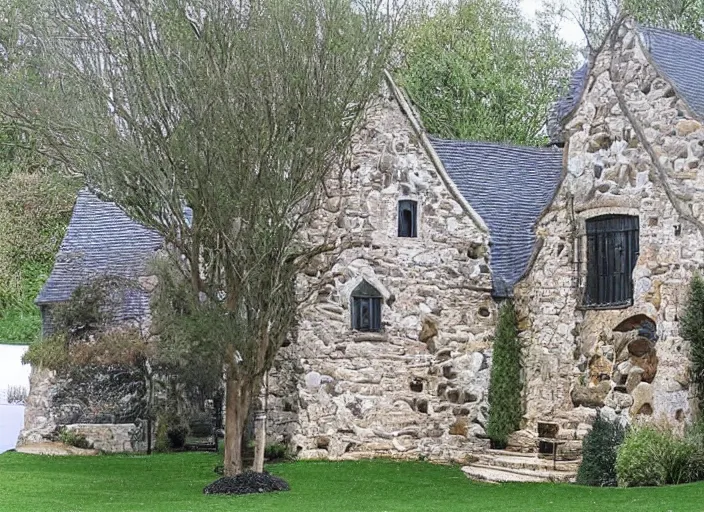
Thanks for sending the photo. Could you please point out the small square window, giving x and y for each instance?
(407, 218)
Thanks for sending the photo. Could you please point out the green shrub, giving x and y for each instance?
(505, 409)
(599, 449)
(171, 433)
(692, 330)
(71, 438)
(276, 451)
(695, 433)
(161, 443)
(201, 424)
(177, 436)
(657, 456)
(50, 352)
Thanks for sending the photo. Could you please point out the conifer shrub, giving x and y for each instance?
(599, 450)
(505, 408)
(692, 330)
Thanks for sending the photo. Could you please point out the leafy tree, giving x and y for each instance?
(596, 17)
(241, 111)
(684, 16)
(36, 196)
(476, 69)
(599, 449)
(505, 407)
(692, 330)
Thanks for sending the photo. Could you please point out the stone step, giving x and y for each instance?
(546, 475)
(494, 475)
(509, 452)
(513, 461)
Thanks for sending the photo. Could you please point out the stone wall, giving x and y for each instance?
(104, 398)
(419, 386)
(574, 359)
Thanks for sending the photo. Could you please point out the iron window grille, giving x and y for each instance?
(366, 308)
(612, 252)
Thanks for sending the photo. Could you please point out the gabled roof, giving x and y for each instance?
(101, 240)
(509, 187)
(568, 102)
(681, 59)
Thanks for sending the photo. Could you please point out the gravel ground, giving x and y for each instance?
(247, 483)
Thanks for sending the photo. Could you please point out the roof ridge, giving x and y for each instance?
(640, 26)
(507, 145)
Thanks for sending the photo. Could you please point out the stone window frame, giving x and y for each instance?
(347, 297)
(369, 302)
(414, 217)
(416, 200)
(580, 250)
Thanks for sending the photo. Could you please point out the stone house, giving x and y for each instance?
(623, 236)
(594, 237)
(105, 406)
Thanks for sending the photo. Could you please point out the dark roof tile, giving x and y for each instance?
(681, 59)
(567, 103)
(509, 187)
(101, 240)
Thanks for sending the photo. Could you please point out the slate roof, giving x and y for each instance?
(678, 57)
(508, 186)
(101, 240)
(568, 102)
(681, 59)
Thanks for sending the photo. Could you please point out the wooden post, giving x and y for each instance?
(260, 440)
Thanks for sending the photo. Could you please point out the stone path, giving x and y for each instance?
(501, 466)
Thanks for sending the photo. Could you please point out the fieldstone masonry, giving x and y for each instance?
(419, 387)
(576, 357)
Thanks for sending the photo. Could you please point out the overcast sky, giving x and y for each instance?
(569, 30)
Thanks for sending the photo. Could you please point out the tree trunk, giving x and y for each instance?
(237, 400)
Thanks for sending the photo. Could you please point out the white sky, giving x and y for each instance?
(12, 371)
(569, 30)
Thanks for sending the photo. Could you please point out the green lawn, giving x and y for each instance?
(174, 483)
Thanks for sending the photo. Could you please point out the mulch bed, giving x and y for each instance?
(247, 483)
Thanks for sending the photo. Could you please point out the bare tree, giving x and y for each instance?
(216, 123)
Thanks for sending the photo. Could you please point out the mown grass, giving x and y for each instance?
(174, 483)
